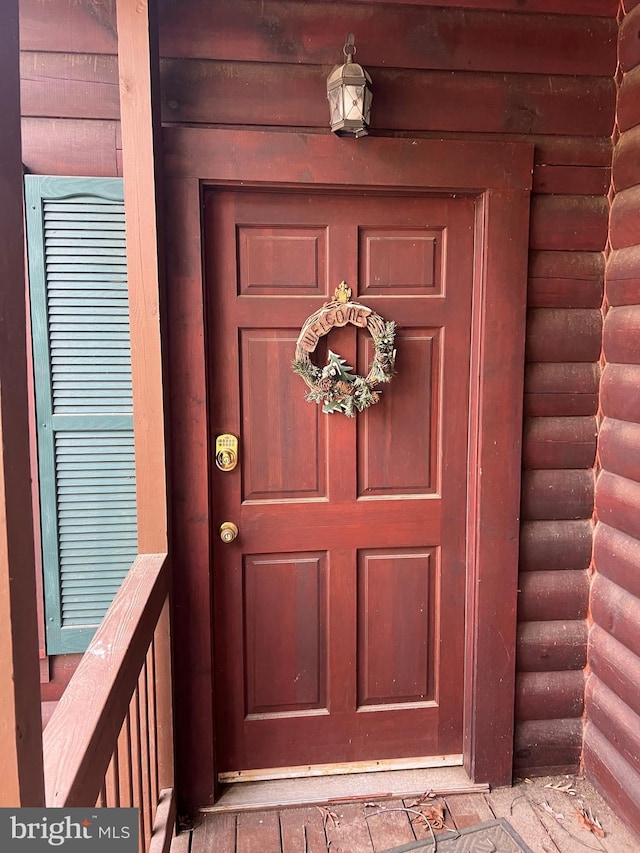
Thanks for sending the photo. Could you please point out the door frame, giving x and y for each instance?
(498, 175)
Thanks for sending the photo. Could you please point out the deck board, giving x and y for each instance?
(349, 833)
(389, 825)
(302, 831)
(258, 832)
(216, 834)
(467, 810)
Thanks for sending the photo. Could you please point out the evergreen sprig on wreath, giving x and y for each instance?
(335, 385)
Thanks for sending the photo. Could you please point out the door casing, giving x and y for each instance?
(498, 176)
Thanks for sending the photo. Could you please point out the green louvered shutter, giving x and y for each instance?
(82, 372)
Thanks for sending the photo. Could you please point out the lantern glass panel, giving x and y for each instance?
(335, 105)
(368, 97)
(353, 98)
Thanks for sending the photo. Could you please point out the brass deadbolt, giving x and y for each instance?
(226, 451)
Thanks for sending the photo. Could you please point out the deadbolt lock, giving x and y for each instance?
(226, 451)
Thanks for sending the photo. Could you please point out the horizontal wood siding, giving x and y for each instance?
(470, 69)
(559, 695)
(547, 746)
(612, 703)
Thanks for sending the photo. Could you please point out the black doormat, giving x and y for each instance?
(493, 836)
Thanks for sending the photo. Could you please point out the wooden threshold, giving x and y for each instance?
(352, 787)
(339, 769)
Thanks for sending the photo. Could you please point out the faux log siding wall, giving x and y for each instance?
(612, 732)
(486, 71)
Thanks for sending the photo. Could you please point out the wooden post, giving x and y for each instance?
(21, 774)
(138, 66)
(139, 74)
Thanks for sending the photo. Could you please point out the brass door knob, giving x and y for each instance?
(228, 531)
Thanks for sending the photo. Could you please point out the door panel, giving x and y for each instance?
(409, 467)
(293, 586)
(339, 609)
(280, 459)
(396, 620)
(285, 260)
(400, 261)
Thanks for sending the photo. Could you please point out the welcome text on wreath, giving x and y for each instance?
(337, 315)
(335, 385)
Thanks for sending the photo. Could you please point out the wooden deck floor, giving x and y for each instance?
(545, 818)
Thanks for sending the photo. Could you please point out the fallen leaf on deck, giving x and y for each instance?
(420, 800)
(545, 805)
(565, 787)
(328, 815)
(590, 822)
(435, 815)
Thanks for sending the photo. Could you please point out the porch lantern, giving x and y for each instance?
(350, 95)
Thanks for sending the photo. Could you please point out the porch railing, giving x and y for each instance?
(110, 740)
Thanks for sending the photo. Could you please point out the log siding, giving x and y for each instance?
(612, 706)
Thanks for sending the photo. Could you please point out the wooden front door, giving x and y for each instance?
(339, 609)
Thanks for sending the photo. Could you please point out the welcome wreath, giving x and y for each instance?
(335, 385)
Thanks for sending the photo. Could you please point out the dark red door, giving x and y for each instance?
(339, 608)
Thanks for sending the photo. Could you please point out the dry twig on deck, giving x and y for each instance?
(409, 811)
(541, 810)
(328, 815)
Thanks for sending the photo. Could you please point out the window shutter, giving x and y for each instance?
(82, 377)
